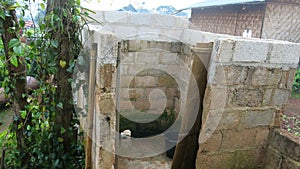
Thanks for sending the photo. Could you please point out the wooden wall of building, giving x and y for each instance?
(230, 19)
(282, 20)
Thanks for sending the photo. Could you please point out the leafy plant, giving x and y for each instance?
(39, 136)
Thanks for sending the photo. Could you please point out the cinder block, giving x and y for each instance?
(135, 69)
(231, 75)
(173, 34)
(98, 16)
(196, 37)
(261, 138)
(168, 58)
(186, 35)
(284, 144)
(127, 81)
(145, 81)
(126, 105)
(257, 118)
(147, 57)
(285, 53)
(234, 139)
(116, 16)
(129, 59)
(273, 159)
(280, 97)
(250, 51)
(267, 97)
(229, 120)
(266, 76)
(162, 21)
(244, 97)
(180, 22)
(213, 143)
(166, 81)
(224, 50)
(125, 32)
(140, 19)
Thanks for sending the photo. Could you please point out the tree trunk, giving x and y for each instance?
(64, 33)
(19, 91)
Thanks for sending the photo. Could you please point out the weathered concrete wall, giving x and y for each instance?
(150, 27)
(249, 82)
(148, 74)
(283, 151)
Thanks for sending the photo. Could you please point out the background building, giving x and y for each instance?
(268, 19)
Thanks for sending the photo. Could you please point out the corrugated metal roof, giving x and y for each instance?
(223, 2)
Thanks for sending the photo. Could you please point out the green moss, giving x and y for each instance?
(241, 160)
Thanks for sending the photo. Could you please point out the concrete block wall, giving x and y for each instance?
(249, 82)
(104, 125)
(283, 150)
(140, 26)
(149, 72)
(150, 27)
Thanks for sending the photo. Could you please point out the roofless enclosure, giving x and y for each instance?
(154, 75)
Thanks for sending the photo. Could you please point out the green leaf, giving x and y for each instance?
(54, 43)
(1, 64)
(22, 23)
(60, 139)
(42, 6)
(60, 105)
(56, 163)
(2, 14)
(18, 50)
(13, 43)
(52, 20)
(23, 114)
(14, 61)
(62, 63)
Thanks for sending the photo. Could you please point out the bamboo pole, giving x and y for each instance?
(90, 115)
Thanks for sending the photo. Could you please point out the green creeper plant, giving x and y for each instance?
(43, 133)
(296, 85)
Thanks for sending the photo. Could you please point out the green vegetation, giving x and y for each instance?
(43, 132)
(296, 86)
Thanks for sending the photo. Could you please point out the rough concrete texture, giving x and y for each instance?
(249, 81)
(283, 151)
(160, 161)
(256, 90)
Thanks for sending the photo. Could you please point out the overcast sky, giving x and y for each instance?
(149, 4)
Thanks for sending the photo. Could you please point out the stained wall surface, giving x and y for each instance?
(248, 83)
